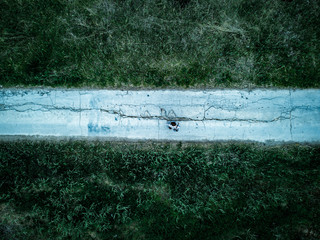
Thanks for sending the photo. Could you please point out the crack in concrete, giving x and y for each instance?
(45, 108)
(170, 116)
(166, 117)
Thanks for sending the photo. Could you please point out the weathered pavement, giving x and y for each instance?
(257, 115)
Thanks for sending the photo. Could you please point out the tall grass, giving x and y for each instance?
(162, 43)
(81, 190)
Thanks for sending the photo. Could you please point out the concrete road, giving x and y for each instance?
(257, 115)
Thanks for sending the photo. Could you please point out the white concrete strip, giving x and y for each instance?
(257, 115)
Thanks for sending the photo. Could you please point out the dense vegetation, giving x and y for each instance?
(99, 190)
(160, 43)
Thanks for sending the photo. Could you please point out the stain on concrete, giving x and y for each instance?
(96, 129)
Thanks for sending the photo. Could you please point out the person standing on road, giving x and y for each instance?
(174, 126)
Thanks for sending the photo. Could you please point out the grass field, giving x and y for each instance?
(101, 190)
(160, 43)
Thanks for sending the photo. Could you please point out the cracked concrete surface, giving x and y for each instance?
(257, 115)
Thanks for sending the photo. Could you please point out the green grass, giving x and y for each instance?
(160, 43)
(100, 190)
